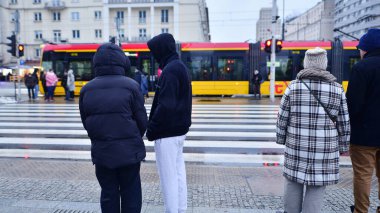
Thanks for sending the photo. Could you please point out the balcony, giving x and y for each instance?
(55, 5)
(137, 1)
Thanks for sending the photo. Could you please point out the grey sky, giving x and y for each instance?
(235, 20)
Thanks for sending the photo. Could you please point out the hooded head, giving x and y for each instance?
(70, 71)
(370, 41)
(162, 48)
(315, 58)
(109, 59)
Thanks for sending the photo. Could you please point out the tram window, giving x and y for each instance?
(58, 68)
(230, 69)
(47, 65)
(82, 70)
(200, 68)
(284, 68)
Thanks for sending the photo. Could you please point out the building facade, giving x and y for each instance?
(355, 17)
(264, 25)
(316, 24)
(96, 21)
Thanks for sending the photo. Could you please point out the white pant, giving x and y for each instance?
(172, 172)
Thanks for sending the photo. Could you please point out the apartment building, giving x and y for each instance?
(95, 21)
(355, 17)
(264, 25)
(316, 24)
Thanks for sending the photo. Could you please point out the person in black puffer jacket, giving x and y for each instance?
(169, 121)
(113, 113)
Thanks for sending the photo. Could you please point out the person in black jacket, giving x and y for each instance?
(363, 98)
(37, 86)
(113, 114)
(30, 83)
(169, 121)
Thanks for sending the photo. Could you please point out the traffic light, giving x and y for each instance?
(278, 45)
(12, 50)
(268, 46)
(20, 50)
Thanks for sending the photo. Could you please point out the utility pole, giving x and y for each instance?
(273, 54)
(17, 33)
(283, 20)
(118, 37)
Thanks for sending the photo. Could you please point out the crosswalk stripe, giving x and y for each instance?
(220, 134)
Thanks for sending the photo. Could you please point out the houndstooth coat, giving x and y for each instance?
(312, 143)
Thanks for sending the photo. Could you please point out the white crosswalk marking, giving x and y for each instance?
(220, 134)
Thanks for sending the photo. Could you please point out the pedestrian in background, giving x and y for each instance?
(30, 83)
(71, 84)
(313, 124)
(64, 85)
(51, 82)
(144, 85)
(43, 83)
(169, 121)
(37, 86)
(256, 81)
(363, 97)
(113, 114)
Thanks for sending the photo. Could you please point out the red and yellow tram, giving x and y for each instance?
(215, 68)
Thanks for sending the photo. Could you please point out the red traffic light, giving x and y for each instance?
(268, 43)
(21, 49)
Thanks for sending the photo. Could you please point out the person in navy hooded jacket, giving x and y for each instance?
(113, 113)
(169, 121)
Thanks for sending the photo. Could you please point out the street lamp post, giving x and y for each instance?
(273, 54)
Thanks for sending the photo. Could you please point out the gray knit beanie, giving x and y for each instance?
(315, 58)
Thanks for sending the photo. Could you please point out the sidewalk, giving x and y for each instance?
(54, 186)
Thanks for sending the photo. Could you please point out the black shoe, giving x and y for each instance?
(352, 208)
(378, 209)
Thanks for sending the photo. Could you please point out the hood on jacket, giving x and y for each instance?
(162, 48)
(109, 59)
(70, 72)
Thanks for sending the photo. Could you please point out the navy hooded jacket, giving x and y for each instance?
(170, 114)
(112, 111)
(363, 100)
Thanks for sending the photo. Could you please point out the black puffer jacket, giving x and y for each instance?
(112, 111)
(170, 114)
(363, 100)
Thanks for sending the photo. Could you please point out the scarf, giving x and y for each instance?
(316, 74)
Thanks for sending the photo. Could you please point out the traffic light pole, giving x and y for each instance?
(273, 54)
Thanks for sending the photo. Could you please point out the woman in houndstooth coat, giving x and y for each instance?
(313, 141)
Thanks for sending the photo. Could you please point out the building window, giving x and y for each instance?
(98, 15)
(164, 16)
(57, 35)
(56, 16)
(76, 34)
(38, 35)
(37, 52)
(38, 16)
(165, 30)
(142, 33)
(98, 33)
(36, 1)
(120, 16)
(13, 2)
(75, 16)
(142, 16)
